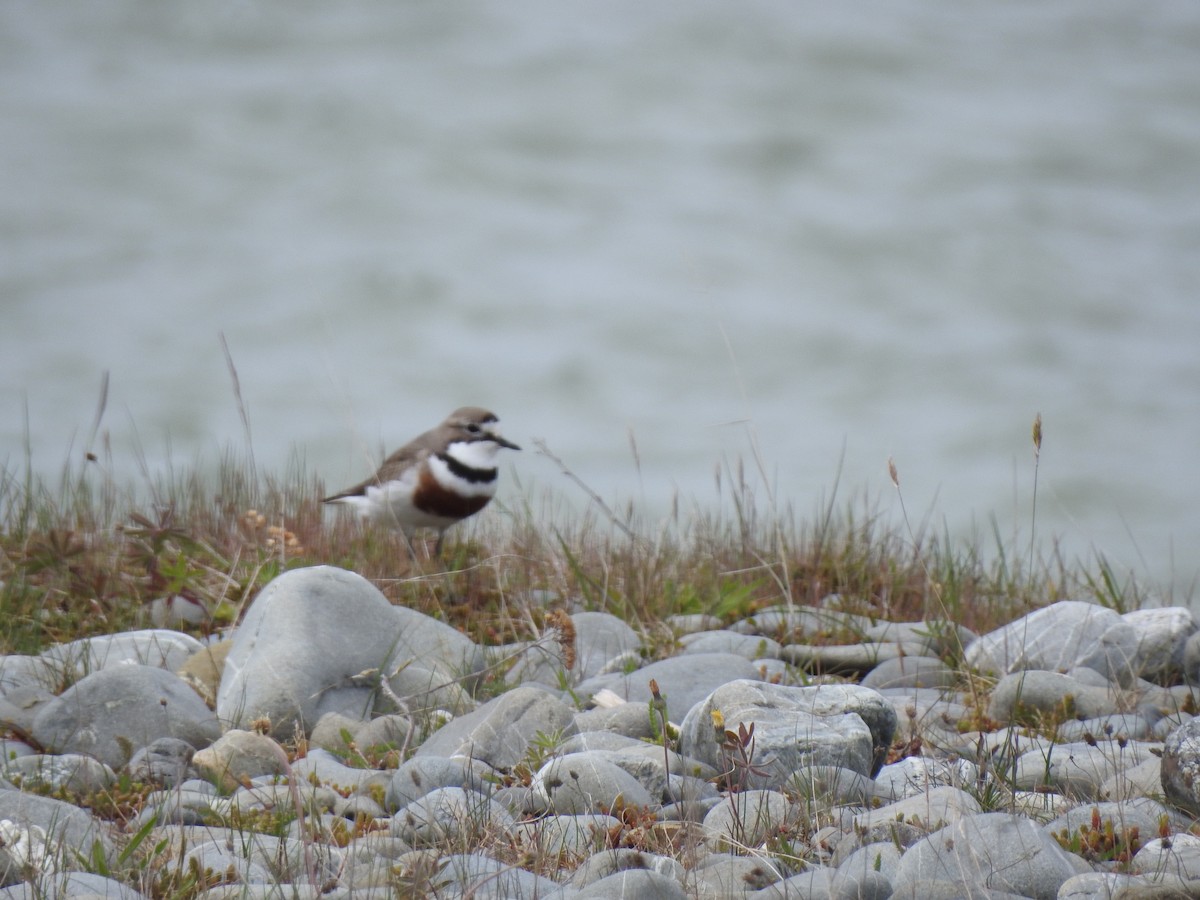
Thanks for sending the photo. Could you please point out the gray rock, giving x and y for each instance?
(1001, 851)
(683, 680)
(609, 862)
(220, 861)
(640, 883)
(64, 885)
(1127, 725)
(481, 877)
(18, 670)
(1179, 856)
(586, 783)
(418, 776)
(910, 671)
(309, 637)
(745, 819)
(840, 658)
(1110, 885)
(1162, 635)
(834, 784)
(449, 814)
(385, 731)
(825, 884)
(1037, 692)
(882, 857)
(794, 727)
(725, 875)
(934, 808)
(157, 647)
(166, 762)
(20, 704)
(74, 830)
(1141, 780)
(114, 712)
(322, 767)
(238, 756)
(628, 719)
(946, 889)
(1078, 769)
(599, 639)
(575, 836)
(68, 771)
(1181, 767)
(916, 774)
(501, 731)
(751, 646)
(692, 622)
(1061, 636)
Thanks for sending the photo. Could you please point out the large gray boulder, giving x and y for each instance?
(996, 850)
(794, 727)
(114, 712)
(318, 640)
(501, 731)
(683, 680)
(1059, 637)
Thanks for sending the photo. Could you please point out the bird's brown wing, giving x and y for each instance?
(409, 455)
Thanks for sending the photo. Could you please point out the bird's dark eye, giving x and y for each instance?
(474, 429)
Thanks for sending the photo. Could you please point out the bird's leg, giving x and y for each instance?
(437, 548)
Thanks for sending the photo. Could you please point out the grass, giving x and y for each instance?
(82, 556)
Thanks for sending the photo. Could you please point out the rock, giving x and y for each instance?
(794, 727)
(239, 756)
(934, 808)
(576, 836)
(1116, 725)
(914, 775)
(1181, 767)
(746, 819)
(751, 646)
(322, 767)
(840, 658)
(609, 862)
(1178, 855)
(1029, 693)
(112, 713)
(166, 762)
(72, 772)
(1004, 852)
(1162, 634)
(449, 814)
(480, 877)
(1061, 636)
(157, 647)
(1078, 769)
(683, 680)
(418, 776)
(309, 637)
(910, 671)
(640, 883)
(587, 783)
(501, 731)
(65, 825)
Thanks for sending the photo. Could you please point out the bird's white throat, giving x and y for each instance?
(474, 454)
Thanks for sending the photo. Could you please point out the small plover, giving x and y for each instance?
(436, 479)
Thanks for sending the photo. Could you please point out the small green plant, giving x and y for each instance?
(1100, 841)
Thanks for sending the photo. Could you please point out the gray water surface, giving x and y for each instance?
(875, 229)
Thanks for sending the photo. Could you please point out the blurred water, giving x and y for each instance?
(871, 230)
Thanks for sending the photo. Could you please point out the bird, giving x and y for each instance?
(435, 480)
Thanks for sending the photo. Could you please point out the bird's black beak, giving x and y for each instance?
(502, 442)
